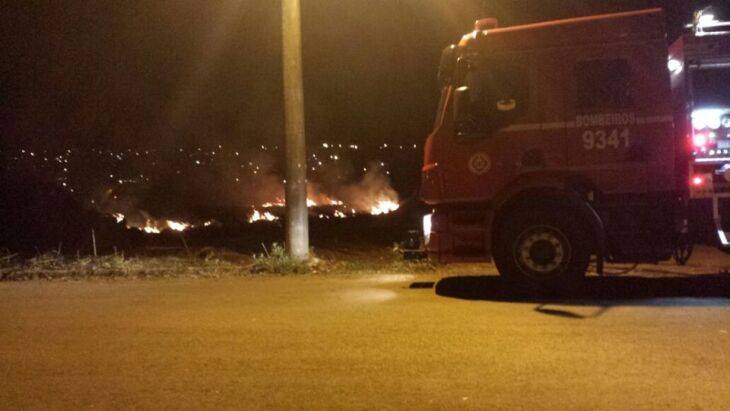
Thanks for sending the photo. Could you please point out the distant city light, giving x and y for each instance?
(131, 172)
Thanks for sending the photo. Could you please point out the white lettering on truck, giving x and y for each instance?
(605, 120)
(602, 139)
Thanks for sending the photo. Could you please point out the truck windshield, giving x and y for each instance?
(711, 87)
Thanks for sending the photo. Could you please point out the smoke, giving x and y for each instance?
(192, 186)
(196, 186)
(363, 195)
(335, 183)
(263, 184)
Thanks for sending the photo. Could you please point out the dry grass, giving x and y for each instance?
(207, 263)
(366, 259)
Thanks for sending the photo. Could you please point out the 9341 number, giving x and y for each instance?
(605, 139)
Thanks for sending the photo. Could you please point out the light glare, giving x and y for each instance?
(427, 224)
(675, 66)
(707, 118)
(699, 140)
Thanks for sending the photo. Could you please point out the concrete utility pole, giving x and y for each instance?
(297, 224)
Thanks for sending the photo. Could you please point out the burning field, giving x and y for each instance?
(372, 196)
(82, 202)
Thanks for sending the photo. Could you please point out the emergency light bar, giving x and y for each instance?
(706, 23)
(710, 118)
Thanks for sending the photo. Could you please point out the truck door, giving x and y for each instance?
(480, 162)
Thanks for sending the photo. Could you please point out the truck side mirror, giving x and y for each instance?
(464, 124)
(447, 67)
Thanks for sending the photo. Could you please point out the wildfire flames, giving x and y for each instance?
(177, 226)
(384, 207)
(259, 216)
(156, 227)
(327, 208)
(335, 209)
(269, 212)
(153, 227)
(149, 229)
(371, 195)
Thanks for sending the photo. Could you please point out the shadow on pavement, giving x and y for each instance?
(697, 290)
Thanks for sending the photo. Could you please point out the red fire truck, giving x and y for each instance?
(562, 141)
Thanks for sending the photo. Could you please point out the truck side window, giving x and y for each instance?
(500, 93)
(603, 85)
(510, 89)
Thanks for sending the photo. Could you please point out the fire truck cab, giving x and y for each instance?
(556, 142)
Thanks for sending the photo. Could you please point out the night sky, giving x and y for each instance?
(167, 72)
(175, 106)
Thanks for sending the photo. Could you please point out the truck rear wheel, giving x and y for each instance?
(547, 247)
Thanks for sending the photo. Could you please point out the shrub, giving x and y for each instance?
(278, 261)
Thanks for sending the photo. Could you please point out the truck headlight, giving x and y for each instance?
(427, 227)
(675, 66)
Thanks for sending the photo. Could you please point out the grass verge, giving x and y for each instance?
(209, 263)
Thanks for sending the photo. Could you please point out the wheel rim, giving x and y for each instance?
(542, 251)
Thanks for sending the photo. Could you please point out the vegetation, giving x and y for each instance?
(54, 266)
(277, 261)
(208, 263)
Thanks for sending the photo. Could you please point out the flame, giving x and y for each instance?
(152, 226)
(382, 204)
(177, 226)
(384, 207)
(310, 202)
(276, 203)
(259, 216)
(157, 227)
(321, 206)
(150, 229)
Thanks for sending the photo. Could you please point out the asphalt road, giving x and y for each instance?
(365, 342)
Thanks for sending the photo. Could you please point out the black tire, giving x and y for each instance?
(550, 247)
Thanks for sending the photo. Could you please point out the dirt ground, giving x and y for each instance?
(655, 338)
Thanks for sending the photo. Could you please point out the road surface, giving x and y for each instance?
(365, 342)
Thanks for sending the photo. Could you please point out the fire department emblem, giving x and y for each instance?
(480, 164)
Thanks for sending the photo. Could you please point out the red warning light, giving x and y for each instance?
(700, 140)
(698, 181)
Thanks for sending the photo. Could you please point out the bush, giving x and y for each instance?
(50, 261)
(278, 261)
(112, 265)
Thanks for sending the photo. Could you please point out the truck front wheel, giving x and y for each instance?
(548, 247)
